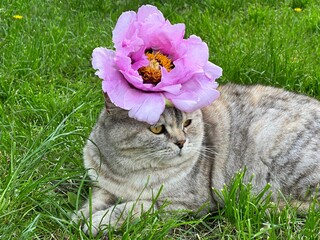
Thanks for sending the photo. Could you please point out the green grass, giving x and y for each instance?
(50, 99)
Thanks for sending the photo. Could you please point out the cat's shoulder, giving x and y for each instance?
(237, 90)
(255, 99)
(258, 94)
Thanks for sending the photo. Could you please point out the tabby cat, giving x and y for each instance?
(271, 132)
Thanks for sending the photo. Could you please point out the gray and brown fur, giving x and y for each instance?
(271, 132)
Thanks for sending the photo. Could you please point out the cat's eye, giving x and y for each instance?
(157, 129)
(187, 123)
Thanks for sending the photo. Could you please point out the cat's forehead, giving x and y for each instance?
(173, 116)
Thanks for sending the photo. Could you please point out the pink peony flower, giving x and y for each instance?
(152, 63)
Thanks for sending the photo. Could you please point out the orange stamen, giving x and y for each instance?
(152, 72)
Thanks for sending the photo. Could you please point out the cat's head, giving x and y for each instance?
(175, 138)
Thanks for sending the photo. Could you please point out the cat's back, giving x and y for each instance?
(244, 105)
(277, 111)
(259, 99)
(266, 129)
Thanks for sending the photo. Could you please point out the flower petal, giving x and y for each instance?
(165, 38)
(117, 89)
(132, 76)
(173, 89)
(212, 71)
(103, 61)
(124, 27)
(125, 34)
(197, 93)
(157, 32)
(149, 13)
(194, 54)
(114, 84)
(197, 50)
(146, 107)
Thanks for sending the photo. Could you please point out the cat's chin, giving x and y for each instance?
(182, 153)
(176, 157)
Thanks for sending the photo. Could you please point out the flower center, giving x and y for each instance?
(152, 72)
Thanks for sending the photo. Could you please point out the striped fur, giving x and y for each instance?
(271, 132)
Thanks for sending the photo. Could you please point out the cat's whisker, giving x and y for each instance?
(203, 150)
(149, 155)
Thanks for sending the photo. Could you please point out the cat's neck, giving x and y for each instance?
(217, 127)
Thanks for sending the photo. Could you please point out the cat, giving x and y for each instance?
(272, 133)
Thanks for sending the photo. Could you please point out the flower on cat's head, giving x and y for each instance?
(153, 64)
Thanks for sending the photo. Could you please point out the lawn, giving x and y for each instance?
(50, 99)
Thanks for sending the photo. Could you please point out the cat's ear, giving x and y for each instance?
(111, 108)
(109, 105)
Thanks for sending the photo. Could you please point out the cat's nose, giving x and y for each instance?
(180, 143)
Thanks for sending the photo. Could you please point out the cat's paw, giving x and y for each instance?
(99, 222)
(91, 229)
(79, 216)
(112, 217)
(90, 226)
